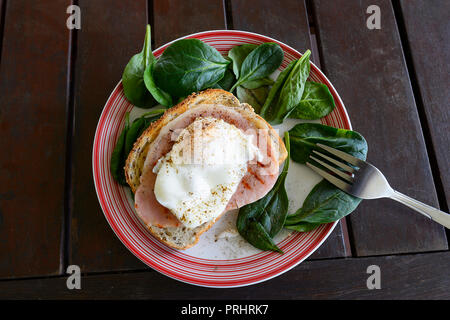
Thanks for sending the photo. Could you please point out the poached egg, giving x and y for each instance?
(198, 177)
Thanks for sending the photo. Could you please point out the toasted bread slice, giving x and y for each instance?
(183, 237)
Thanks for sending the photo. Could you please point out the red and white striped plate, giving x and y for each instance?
(199, 268)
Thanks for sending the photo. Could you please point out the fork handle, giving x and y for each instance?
(428, 211)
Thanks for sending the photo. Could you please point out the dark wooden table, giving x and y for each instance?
(54, 83)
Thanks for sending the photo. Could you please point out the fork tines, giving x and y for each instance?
(341, 178)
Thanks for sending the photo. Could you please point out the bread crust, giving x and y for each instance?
(136, 159)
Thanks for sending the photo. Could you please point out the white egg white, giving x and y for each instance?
(200, 174)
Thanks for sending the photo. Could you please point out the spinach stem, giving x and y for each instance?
(234, 86)
(147, 46)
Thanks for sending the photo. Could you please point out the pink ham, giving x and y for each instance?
(259, 179)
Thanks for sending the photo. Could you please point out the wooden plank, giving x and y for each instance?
(419, 276)
(111, 32)
(367, 67)
(286, 21)
(33, 78)
(176, 18)
(2, 20)
(427, 24)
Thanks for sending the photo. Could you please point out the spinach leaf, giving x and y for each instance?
(257, 236)
(316, 102)
(260, 221)
(130, 133)
(187, 66)
(238, 54)
(300, 226)
(325, 203)
(267, 111)
(260, 63)
(138, 126)
(118, 154)
(133, 76)
(258, 83)
(304, 137)
(227, 81)
(288, 92)
(292, 92)
(160, 96)
(254, 97)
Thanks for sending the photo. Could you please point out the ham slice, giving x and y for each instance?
(259, 179)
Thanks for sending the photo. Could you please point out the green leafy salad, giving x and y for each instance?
(250, 72)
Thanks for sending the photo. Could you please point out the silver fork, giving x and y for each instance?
(367, 182)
